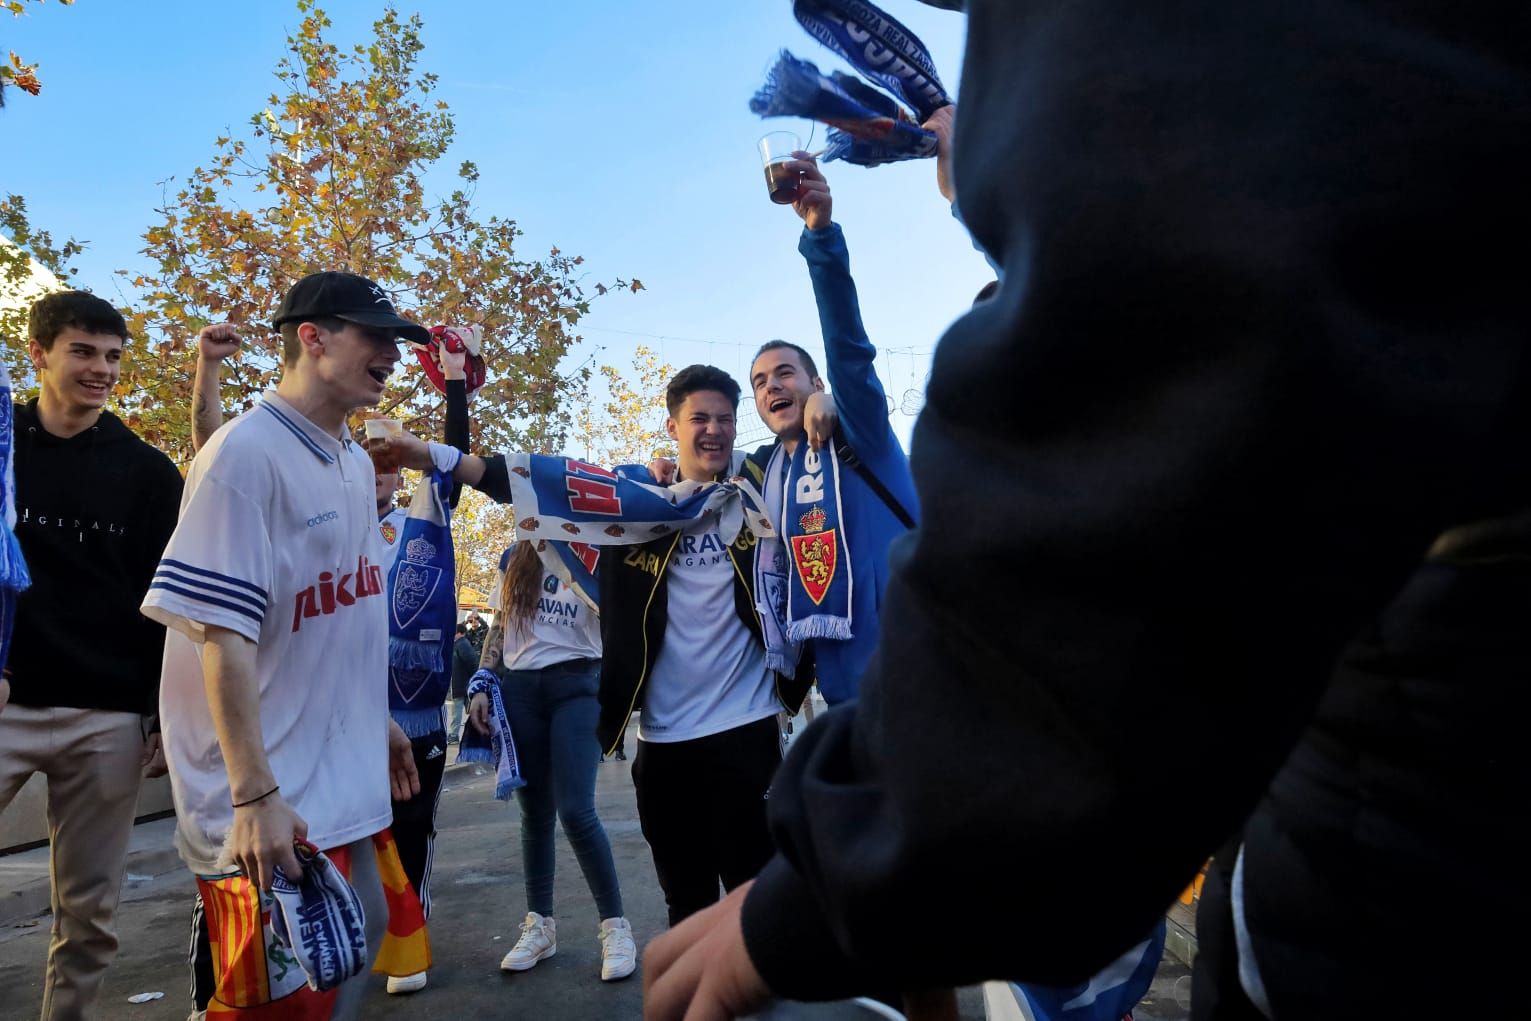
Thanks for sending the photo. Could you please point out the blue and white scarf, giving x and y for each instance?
(321, 919)
(422, 610)
(803, 492)
(500, 747)
(13, 566)
(866, 127)
(560, 499)
(565, 500)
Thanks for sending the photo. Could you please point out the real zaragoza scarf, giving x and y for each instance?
(13, 566)
(500, 747)
(866, 127)
(257, 973)
(422, 610)
(804, 491)
(558, 498)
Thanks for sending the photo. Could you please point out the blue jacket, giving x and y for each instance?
(870, 526)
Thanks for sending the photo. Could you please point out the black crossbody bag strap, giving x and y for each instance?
(850, 459)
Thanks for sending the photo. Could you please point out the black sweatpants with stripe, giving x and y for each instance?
(414, 821)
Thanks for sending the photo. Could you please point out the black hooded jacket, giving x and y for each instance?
(93, 514)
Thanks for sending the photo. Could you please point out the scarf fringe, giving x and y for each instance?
(418, 722)
(783, 662)
(790, 87)
(505, 786)
(13, 565)
(820, 626)
(475, 751)
(411, 655)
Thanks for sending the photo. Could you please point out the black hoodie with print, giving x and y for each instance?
(93, 515)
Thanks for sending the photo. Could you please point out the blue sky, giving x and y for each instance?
(614, 130)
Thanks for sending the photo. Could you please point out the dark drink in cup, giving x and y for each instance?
(385, 460)
(776, 152)
(782, 182)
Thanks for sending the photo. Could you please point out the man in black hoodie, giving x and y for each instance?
(1236, 452)
(95, 506)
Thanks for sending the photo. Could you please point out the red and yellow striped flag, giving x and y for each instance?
(258, 979)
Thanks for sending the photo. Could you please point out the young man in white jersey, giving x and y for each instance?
(274, 724)
(682, 642)
(414, 819)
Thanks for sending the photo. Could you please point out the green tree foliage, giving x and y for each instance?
(330, 177)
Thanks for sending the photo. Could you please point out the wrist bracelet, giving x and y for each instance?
(263, 797)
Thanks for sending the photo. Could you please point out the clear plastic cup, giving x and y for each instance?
(776, 149)
(385, 461)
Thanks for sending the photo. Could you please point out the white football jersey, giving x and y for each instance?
(278, 540)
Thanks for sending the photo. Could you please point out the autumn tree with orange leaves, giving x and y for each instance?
(329, 177)
(16, 71)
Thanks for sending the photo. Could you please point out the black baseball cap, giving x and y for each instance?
(349, 297)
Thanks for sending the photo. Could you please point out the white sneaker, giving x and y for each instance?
(539, 940)
(619, 954)
(406, 983)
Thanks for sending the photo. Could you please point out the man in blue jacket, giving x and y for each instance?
(876, 499)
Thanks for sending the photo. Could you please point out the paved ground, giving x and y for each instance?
(478, 906)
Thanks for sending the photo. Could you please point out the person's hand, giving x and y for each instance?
(402, 774)
(819, 418)
(261, 838)
(700, 970)
(940, 125)
(453, 363)
(663, 470)
(217, 342)
(478, 714)
(412, 451)
(152, 760)
(813, 201)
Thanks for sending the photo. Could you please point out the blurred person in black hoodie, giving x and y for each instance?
(1231, 474)
(95, 506)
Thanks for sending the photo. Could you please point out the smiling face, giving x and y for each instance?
(353, 362)
(703, 428)
(782, 383)
(79, 371)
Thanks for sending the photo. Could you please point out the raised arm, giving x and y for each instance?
(453, 370)
(214, 344)
(849, 357)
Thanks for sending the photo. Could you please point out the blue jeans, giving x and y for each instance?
(553, 714)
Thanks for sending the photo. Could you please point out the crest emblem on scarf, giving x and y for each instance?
(408, 683)
(415, 582)
(814, 556)
(390, 532)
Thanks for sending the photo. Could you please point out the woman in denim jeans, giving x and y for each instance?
(545, 647)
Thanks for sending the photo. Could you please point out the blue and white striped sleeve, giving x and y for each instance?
(217, 568)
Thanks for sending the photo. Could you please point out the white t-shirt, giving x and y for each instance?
(710, 674)
(562, 628)
(278, 541)
(391, 527)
